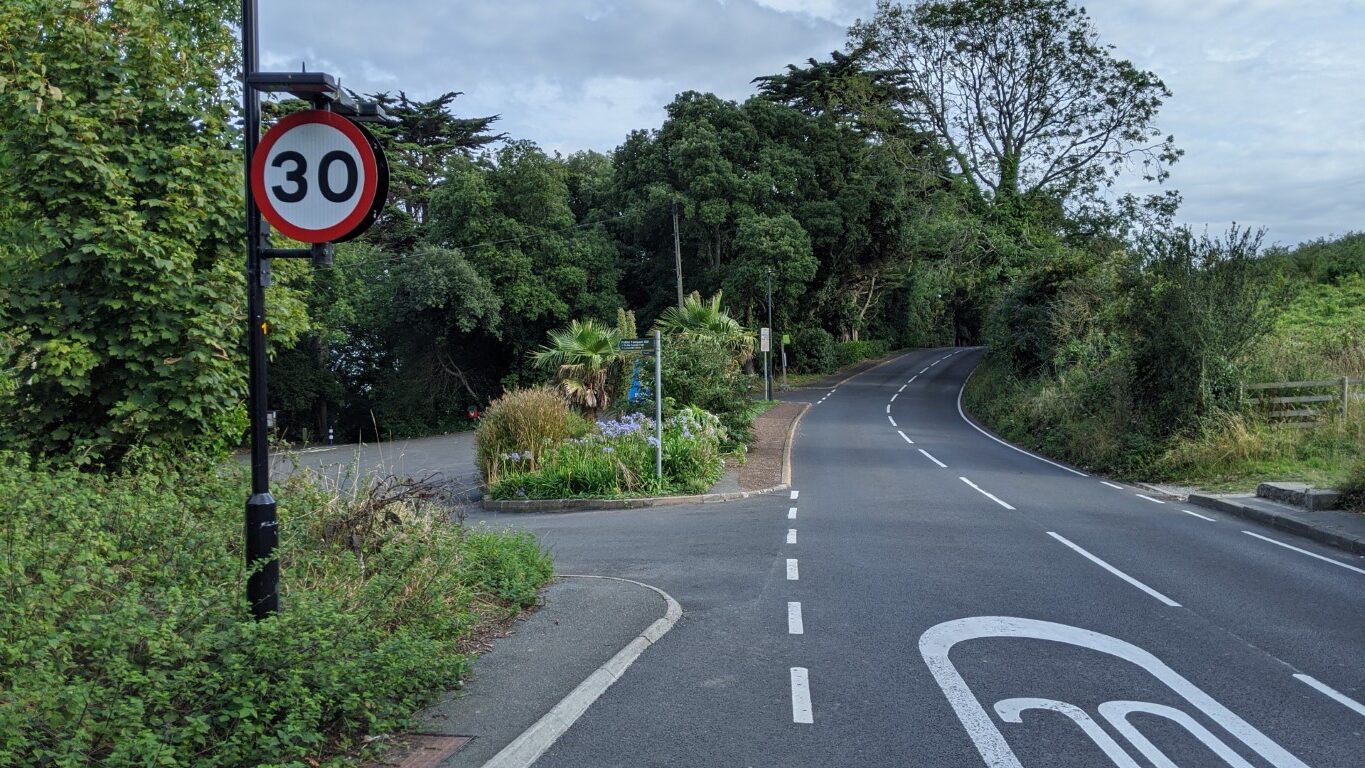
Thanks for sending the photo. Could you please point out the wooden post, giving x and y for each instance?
(1345, 397)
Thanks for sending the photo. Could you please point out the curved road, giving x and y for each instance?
(932, 596)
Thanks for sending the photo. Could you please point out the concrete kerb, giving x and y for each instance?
(524, 750)
(583, 505)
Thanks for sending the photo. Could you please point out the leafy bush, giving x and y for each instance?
(704, 372)
(522, 423)
(850, 352)
(125, 639)
(812, 351)
(617, 459)
(1354, 487)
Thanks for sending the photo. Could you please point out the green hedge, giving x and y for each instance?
(850, 352)
(813, 351)
(125, 639)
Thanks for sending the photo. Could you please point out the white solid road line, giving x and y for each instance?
(990, 496)
(902, 434)
(794, 623)
(1149, 498)
(792, 573)
(936, 461)
(1115, 571)
(801, 711)
(1111, 485)
(893, 421)
(791, 535)
(1012, 447)
(795, 494)
(1332, 693)
(791, 513)
(1196, 514)
(1304, 552)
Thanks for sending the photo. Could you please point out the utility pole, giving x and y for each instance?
(262, 525)
(768, 355)
(677, 253)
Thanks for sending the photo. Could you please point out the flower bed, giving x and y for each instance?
(616, 460)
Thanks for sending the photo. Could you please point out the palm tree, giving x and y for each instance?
(582, 357)
(706, 319)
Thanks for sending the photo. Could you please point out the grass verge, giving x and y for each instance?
(125, 637)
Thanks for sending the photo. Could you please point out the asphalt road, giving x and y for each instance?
(930, 596)
(448, 459)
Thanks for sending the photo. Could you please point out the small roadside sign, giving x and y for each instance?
(765, 340)
(317, 177)
(786, 338)
(636, 345)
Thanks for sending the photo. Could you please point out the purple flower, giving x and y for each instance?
(608, 449)
(654, 441)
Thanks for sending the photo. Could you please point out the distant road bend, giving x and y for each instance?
(930, 595)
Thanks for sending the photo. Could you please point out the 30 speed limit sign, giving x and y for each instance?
(318, 177)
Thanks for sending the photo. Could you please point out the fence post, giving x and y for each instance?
(1345, 398)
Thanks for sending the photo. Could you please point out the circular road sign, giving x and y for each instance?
(315, 176)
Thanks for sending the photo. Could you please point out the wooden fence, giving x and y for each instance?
(1305, 403)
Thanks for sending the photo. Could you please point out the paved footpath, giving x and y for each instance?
(931, 596)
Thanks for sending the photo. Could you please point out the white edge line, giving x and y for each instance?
(928, 456)
(985, 493)
(1305, 552)
(1011, 446)
(907, 439)
(1332, 693)
(1149, 498)
(534, 741)
(793, 570)
(1115, 571)
(893, 421)
(1196, 514)
(801, 709)
(1111, 485)
(795, 625)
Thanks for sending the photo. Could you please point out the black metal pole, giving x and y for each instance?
(262, 534)
(767, 360)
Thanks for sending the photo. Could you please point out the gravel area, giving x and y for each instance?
(763, 467)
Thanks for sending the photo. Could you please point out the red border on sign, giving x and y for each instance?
(363, 201)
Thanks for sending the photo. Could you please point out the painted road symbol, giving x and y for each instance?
(316, 176)
(935, 644)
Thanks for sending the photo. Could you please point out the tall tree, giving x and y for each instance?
(1022, 93)
(122, 248)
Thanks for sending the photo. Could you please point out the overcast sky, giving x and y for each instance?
(1269, 95)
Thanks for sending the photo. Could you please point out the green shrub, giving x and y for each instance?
(850, 352)
(812, 351)
(1354, 487)
(703, 372)
(617, 459)
(523, 423)
(125, 638)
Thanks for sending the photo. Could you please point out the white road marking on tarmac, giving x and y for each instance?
(1196, 514)
(988, 495)
(902, 434)
(937, 643)
(795, 494)
(893, 397)
(922, 370)
(912, 379)
(936, 362)
(973, 425)
(791, 535)
(794, 624)
(1111, 485)
(902, 389)
(791, 513)
(793, 573)
(1332, 693)
(801, 710)
(931, 458)
(1149, 498)
(1305, 552)
(1115, 571)
(888, 407)
(893, 421)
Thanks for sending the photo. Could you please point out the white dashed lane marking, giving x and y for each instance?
(1196, 514)
(1115, 571)
(1305, 552)
(793, 573)
(1149, 498)
(791, 535)
(1333, 694)
(801, 709)
(791, 513)
(794, 624)
(987, 494)
(1111, 485)
(893, 421)
(795, 494)
(907, 439)
(930, 457)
